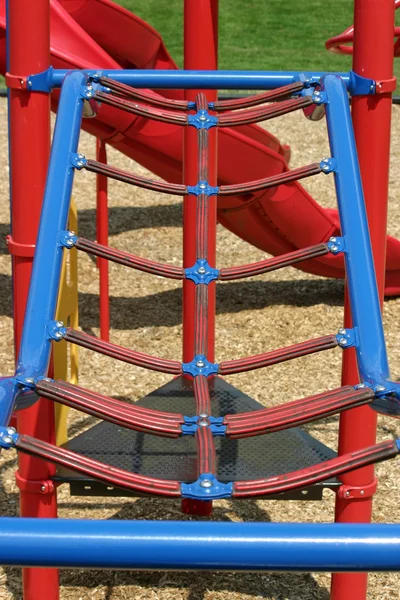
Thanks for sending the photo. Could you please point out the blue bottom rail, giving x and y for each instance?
(170, 545)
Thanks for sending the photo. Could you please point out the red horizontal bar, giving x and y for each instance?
(129, 260)
(124, 354)
(266, 183)
(297, 414)
(93, 468)
(276, 356)
(165, 116)
(311, 475)
(271, 264)
(130, 92)
(270, 96)
(264, 112)
(112, 410)
(143, 182)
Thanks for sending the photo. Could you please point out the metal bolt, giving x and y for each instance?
(46, 379)
(79, 163)
(203, 415)
(333, 239)
(360, 386)
(362, 493)
(11, 430)
(347, 494)
(342, 331)
(201, 270)
(380, 388)
(203, 118)
(69, 242)
(7, 439)
(343, 342)
(206, 483)
(81, 156)
(29, 380)
(203, 423)
(334, 248)
(43, 488)
(202, 186)
(58, 335)
(59, 324)
(200, 364)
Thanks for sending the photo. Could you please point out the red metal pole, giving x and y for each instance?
(200, 53)
(102, 238)
(373, 58)
(28, 30)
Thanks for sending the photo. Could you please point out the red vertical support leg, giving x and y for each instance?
(102, 238)
(200, 51)
(373, 58)
(28, 30)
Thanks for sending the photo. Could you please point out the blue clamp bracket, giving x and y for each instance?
(203, 187)
(215, 424)
(336, 245)
(41, 82)
(328, 165)
(361, 86)
(200, 366)
(202, 120)
(319, 97)
(201, 272)
(78, 160)
(67, 239)
(56, 330)
(8, 437)
(207, 487)
(346, 338)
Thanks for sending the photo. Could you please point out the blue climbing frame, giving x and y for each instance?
(163, 545)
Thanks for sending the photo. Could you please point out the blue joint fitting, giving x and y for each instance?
(207, 487)
(41, 82)
(78, 160)
(202, 187)
(202, 120)
(56, 330)
(87, 91)
(328, 165)
(8, 437)
(215, 424)
(336, 245)
(27, 382)
(319, 97)
(67, 239)
(361, 86)
(201, 272)
(200, 366)
(346, 338)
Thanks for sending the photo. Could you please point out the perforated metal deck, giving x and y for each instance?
(175, 459)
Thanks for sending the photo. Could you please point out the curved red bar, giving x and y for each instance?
(149, 184)
(276, 356)
(296, 413)
(98, 470)
(272, 264)
(311, 475)
(264, 113)
(129, 260)
(112, 410)
(124, 354)
(264, 184)
(164, 116)
(270, 96)
(136, 94)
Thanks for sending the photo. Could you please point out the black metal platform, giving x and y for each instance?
(175, 459)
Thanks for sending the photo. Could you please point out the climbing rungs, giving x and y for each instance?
(267, 183)
(296, 413)
(129, 92)
(109, 409)
(277, 356)
(93, 468)
(129, 260)
(246, 117)
(124, 354)
(150, 184)
(272, 264)
(165, 116)
(311, 475)
(270, 96)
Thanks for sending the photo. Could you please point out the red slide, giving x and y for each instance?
(100, 34)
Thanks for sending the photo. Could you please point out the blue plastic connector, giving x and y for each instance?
(202, 187)
(201, 272)
(207, 487)
(361, 86)
(346, 338)
(336, 245)
(67, 239)
(200, 366)
(78, 160)
(8, 437)
(328, 165)
(215, 424)
(56, 330)
(41, 82)
(202, 120)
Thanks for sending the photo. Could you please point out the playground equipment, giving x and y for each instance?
(208, 425)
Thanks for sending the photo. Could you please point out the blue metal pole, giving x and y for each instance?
(35, 347)
(167, 79)
(215, 546)
(364, 301)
